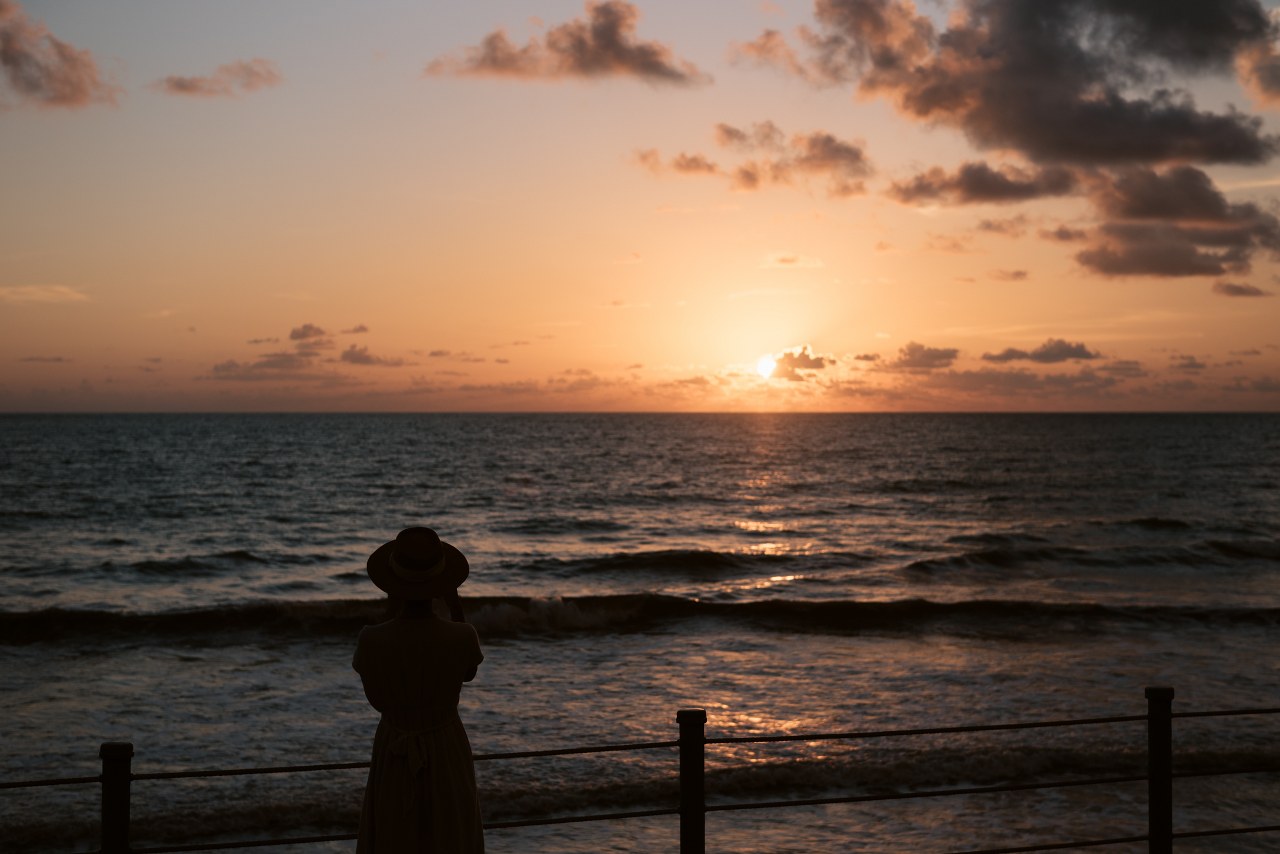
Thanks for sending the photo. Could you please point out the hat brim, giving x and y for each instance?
(380, 572)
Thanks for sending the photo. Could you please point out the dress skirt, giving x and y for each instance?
(421, 796)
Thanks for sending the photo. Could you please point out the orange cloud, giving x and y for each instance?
(44, 70)
(227, 81)
(602, 45)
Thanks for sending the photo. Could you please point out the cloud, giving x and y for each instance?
(867, 357)
(791, 261)
(264, 341)
(1010, 275)
(790, 363)
(277, 367)
(226, 81)
(604, 44)
(1174, 223)
(1065, 82)
(41, 293)
(1125, 368)
(989, 381)
(762, 135)
(917, 357)
(1063, 234)
(978, 183)
(1051, 351)
(844, 165)
(1187, 363)
(770, 48)
(45, 71)
(1229, 289)
(361, 356)
(358, 329)
(693, 164)
(1012, 227)
(305, 332)
(1259, 68)
(50, 360)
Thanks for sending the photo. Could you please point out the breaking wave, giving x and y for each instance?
(508, 616)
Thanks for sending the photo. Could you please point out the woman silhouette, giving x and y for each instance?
(421, 794)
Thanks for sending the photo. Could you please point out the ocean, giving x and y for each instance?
(194, 584)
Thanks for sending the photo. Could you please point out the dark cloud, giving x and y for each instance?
(226, 81)
(1063, 234)
(762, 135)
(1012, 227)
(439, 354)
(50, 360)
(278, 367)
(264, 341)
(694, 164)
(989, 381)
(43, 70)
(1051, 351)
(361, 356)
(306, 332)
(358, 329)
(867, 357)
(789, 364)
(1010, 275)
(1053, 80)
(1125, 368)
(1250, 352)
(977, 183)
(604, 44)
(916, 356)
(1174, 223)
(1187, 363)
(1230, 289)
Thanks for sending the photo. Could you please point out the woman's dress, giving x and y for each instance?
(421, 795)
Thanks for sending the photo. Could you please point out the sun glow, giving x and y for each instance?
(765, 366)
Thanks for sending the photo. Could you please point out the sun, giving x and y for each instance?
(765, 366)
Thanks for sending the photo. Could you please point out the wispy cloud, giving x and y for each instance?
(774, 158)
(227, 81)
(1231, 289)
(41, 294)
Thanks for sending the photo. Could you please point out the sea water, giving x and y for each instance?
(194, 584)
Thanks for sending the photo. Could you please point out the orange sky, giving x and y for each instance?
(1066, 205)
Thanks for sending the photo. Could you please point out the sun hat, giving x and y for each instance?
(417, 564)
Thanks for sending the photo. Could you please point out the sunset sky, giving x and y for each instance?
(413, 206)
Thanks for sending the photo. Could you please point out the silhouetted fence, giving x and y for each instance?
(117, 775)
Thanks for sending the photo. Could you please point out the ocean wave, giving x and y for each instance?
(1266, 549)
(514, 616)
(549, 525)
(1004, 557)
(1010, 555)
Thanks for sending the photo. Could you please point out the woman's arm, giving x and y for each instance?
(454, 601)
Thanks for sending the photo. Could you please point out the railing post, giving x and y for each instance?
(693, 798)
(1159, 770)
(116, 756)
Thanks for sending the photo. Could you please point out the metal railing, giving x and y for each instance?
(117, 775)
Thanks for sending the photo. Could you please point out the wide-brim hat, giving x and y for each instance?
(417, 564)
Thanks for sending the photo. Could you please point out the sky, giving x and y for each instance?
(840, 205)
